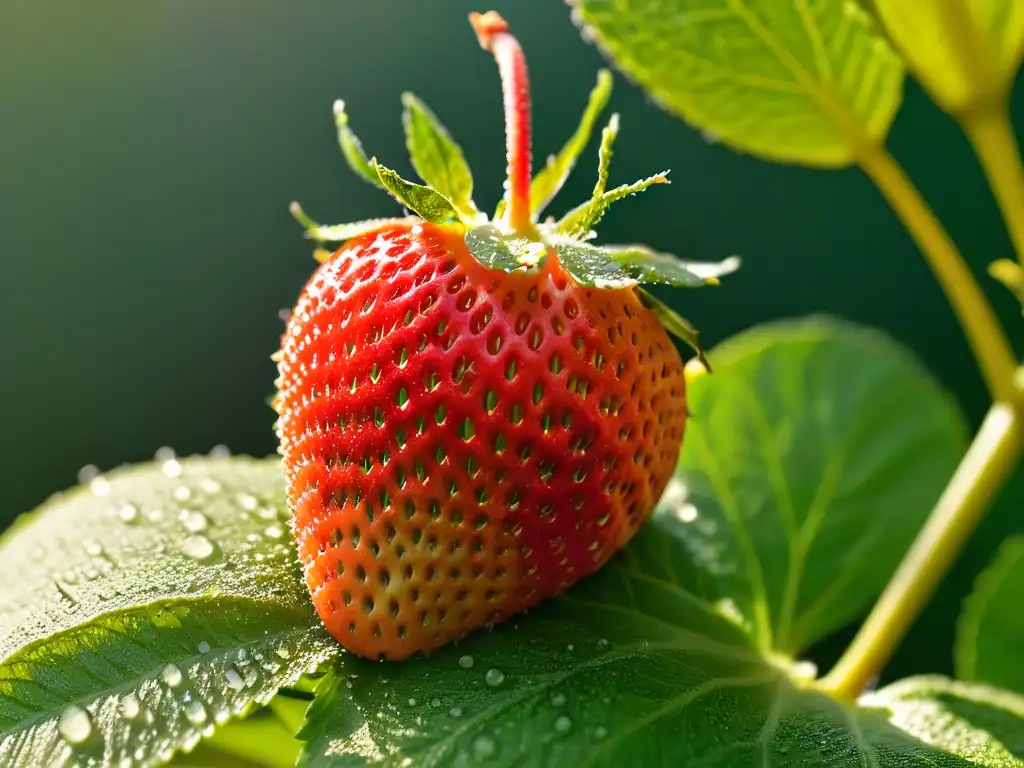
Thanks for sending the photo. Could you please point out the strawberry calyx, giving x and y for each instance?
(515, 238)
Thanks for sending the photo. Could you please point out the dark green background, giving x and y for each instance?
(149, 151)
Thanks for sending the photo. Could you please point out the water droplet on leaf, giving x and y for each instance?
(466, 662)
(195, 712)
(75, 724)
(171, 675)
(494, 677)
(484, 747)
(198, 547)
(563, 724)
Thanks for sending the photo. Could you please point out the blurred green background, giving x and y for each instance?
(150, 150)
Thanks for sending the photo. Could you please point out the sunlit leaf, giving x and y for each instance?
(139, 612)
(804, 82)
(648, 266)
(352, 148)
(590, 265)
(584, 217)
(963, 51)
(990, 635)
(435, 155)
(498, 251)
(812, 458)
(426, 202)
(336, 233)
(675, 324)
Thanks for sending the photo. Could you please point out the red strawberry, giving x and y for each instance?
(470, 422)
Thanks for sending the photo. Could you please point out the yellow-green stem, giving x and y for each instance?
(983, 332)
(988, 462)
(989, 129)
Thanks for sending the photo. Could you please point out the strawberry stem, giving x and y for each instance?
(492, 32)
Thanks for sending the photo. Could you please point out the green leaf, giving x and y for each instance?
(138, 612)
(982, 724)
(495, 250)
(583, 218)
(352, 148)
(425, 202)
(1010, 274)
(648, 266)
(990, 635)
(963, 53)
(337, 233)
(802, 82)
(590, 265)
(675, 324)
(435, 155)
(549, 181)
(814, 455)
(582, 223)
(638, 665)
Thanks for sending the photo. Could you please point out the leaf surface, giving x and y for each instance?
(803, 82)
(425, 202)
(142, 610)
(990, 634)
(435, 155)
(813, 456)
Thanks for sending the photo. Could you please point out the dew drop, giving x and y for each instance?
(195, 712)
(182, 493)
(209, 485)
(99, 486)
(74, 725)
(466, 662)
(129, 513)
(484, 747)
(494, 677)
(234, 680)
(246, 501)
(282, 651)
(171, 468)
(455, 712)
(558, 699)
(164, 453)
(570, 647)
(267, 513)
(563, 724)
(600, 732)
(129, 707)
(273, 532)
(198, 547)
(171, 675)
(204, 647)
(220, 452)
(435, 703)
(412, 702)
(194, 522)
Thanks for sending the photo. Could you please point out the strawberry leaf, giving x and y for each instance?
(138, 613)
(436, 157)
(427, 203)
(352, 148)
(584, 222)
(647, 266)
(815, 452)
(585, 217)
(990, 634)
(675, 324)
(494, 250)
(795, 82)
(590, 265)
(337, 233)
(548, 182)
(612, 672)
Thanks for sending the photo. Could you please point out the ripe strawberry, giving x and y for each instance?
(474, 415)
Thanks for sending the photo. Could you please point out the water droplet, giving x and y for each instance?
(246, 501)
(435, 703)
(600, 732)
(466, 662)
(570, 647)
(484, 747)
(198, 547)
(129, 707)
(171, 675)
(563, 724)
(455, 712)
(129, 513)
(182, 493)
(194, 522)
(195, 712)
(282, 651)
(74, 725)
(88, 473)
(558, 699)
(99, 486)
(494, 677)
(164, 453)
(155, 515)
(220, 452)
(273, 532)
(171, 468)
(267, 513)
(233, 679)
(209, 485)
(412, 702)
(204, 647)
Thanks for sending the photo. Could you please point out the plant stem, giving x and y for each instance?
(984, 334)
(492, 32)
(986, 465)
(990, 132)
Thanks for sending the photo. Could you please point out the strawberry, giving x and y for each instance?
(474, 415)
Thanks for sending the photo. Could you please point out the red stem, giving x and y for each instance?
(492, 32)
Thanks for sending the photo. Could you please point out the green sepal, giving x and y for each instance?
(352, 148)
(590, 265)
(337, 233)
(648, 266)
(548, 182)
(1010, 274)
(495, 250)
(427, 203)
(435, 155)
(675, 324)
(583, 218)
